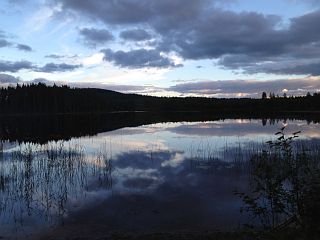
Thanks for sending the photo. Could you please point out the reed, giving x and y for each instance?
(39, 180)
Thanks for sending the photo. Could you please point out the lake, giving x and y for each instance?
(165, 176)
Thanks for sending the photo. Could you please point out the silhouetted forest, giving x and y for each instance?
(42, 99)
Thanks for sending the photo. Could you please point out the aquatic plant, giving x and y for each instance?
(285, 187)
(39, 180)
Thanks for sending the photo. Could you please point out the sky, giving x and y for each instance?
(211, 48)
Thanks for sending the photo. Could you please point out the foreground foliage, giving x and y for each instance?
(284, 201)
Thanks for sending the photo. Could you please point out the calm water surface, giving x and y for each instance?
(164, 176)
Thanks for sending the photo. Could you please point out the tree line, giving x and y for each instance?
(42, 99)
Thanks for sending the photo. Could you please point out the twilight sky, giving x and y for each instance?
(219, 48)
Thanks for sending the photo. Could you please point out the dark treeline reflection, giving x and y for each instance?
(44, 128)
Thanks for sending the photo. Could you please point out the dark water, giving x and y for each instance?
(160, 176)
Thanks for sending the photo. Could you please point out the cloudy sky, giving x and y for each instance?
(219, 48)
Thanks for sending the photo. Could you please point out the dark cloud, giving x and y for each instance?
(7, 66)
(138, 58)
(220, 32)
(251, 88)
(4, 43)
(58, 56)
(251, 41)
(150, 12)
(93, 37)
(2, 34)
(198, 29)
(303, 29)
(279, 65)
(141, 11)
(24, 47)
(8, 79)
(54, 56)
(304, 69)
(135, 35)
(21, 47)
(112, 11)
(61, 67)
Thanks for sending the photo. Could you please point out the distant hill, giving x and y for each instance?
(42, 99)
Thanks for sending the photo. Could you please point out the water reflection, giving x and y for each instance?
(42, 129)
(164, 176)
(149, 194)
(37, 182)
